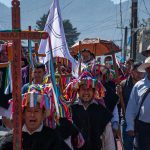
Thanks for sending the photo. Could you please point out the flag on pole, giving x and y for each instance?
(54, 26)
(119, 66)
(129, 41)
(8, 81)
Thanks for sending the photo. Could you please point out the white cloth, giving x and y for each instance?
(85, 108)
(68, 142)
(5, 112)
(24, 129)
(108, 138)
(59, 47)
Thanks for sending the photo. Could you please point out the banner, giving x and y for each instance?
(54, 26)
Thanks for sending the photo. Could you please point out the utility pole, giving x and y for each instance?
(125, 43)
(121, 25)
(133, 29)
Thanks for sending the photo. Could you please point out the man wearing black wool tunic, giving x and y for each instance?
(90, 116)
(35, 136)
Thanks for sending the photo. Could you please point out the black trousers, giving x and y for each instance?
(143, 135)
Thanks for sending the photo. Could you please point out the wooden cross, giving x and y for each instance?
(16, 35)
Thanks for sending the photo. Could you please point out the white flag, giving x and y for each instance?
(54, 26)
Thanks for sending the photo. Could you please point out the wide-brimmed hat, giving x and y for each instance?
(145, 65)
(146, 52)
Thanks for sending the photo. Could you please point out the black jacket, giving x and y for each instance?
(111, 98)
(47, 139)
(92, 123)
(127, 86)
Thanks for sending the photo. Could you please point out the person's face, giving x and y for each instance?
(33, 117)
(128, 67)
(108, 64)
(38, 75)
(63, 69)
(86, 94)
(99, 59)
(99, 71)
(136, 75)
(86, 56)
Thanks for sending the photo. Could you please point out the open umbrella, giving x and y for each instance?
(96, 46)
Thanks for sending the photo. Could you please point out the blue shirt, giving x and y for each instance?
(134, 103)
(25, 88)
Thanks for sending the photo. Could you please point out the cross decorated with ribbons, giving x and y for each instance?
(16, 35)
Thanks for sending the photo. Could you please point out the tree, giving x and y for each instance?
(70, 32)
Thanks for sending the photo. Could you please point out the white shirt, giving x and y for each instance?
(24, 129)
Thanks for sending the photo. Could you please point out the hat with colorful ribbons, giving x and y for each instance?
(99, 70)
(88, 80)
(45, 96)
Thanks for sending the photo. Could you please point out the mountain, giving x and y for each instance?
(93, 18)
(5, 17)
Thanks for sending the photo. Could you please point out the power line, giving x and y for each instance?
(41, 7)
(102, 28)
(116, 16)
(143, 11)
(101, 22)
(146, 8)
(127, 9)
(67, 5)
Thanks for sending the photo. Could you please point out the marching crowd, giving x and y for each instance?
(91, 112)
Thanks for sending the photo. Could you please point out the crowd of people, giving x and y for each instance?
(91, 112)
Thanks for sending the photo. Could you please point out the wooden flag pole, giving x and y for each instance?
(30, 57)
(36, 48)
(79, 71)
